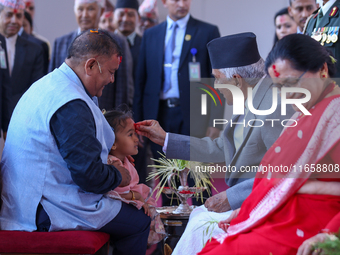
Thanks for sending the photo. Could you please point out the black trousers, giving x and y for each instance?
(128, 231)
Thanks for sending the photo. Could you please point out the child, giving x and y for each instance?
(126, 144)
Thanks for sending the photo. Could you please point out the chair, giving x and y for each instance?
(63, 242)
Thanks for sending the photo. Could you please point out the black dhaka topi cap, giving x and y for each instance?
(233, 51)
(133, 4)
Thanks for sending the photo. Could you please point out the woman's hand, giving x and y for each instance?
(316, 187)
(307, 247)
(224, 224)
(131, 159)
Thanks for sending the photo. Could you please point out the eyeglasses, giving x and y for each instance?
(100, 71)
(290, 82)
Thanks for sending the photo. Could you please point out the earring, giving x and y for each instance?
(324, 75)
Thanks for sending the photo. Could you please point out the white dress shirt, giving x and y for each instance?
(173, 92)
(10, 45)
(131, 38)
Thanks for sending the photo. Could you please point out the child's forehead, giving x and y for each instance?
(129, 121)
(128, 124)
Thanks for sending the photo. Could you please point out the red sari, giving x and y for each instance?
(274, 218)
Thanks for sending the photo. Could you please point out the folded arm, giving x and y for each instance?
(73, 128)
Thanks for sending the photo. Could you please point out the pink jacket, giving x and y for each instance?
(144, 190)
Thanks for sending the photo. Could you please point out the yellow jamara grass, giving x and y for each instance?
(168, 166)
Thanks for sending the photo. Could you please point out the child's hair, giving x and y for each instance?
(117, 118)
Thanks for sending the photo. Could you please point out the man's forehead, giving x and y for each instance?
(12, 10)
(120, 10)
(85, 5)
(112, 60)
(303, 3)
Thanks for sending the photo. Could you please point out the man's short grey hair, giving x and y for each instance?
(251, 73)
(290, 2)
(100, 4)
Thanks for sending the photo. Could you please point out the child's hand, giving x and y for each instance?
(131, 159)
(146, 209)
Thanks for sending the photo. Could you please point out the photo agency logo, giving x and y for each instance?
(239, 106)
(204, 104)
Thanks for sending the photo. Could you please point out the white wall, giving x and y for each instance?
(55, 18)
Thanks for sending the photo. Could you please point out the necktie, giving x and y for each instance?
(318, 19)
(168, 57)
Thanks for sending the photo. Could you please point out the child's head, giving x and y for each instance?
(126, 142)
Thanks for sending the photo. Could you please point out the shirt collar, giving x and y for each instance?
(131, 38)
(12, 39)
(298, 30)
(182, 23)
(20, 31)
(65, 68)
(325, 8)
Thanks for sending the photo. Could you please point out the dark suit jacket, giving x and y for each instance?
(135, 53)
(327, 21)
(149, 77)
(5, 93)
(28, 67)
(42, 44)
(114, 94)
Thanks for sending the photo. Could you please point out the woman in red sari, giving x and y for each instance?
(296, 193)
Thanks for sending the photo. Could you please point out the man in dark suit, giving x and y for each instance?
(5, 95)
(88, 14)
(171, 105)
(25, 59)
(28, 36)
(125, 20)
(323, 26)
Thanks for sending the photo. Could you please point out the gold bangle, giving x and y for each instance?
(133, 195)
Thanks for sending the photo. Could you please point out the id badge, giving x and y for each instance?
(194, 71)
(3, 64)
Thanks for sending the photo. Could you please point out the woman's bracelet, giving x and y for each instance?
(325, 231)
(330, 235)
(133, 195)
